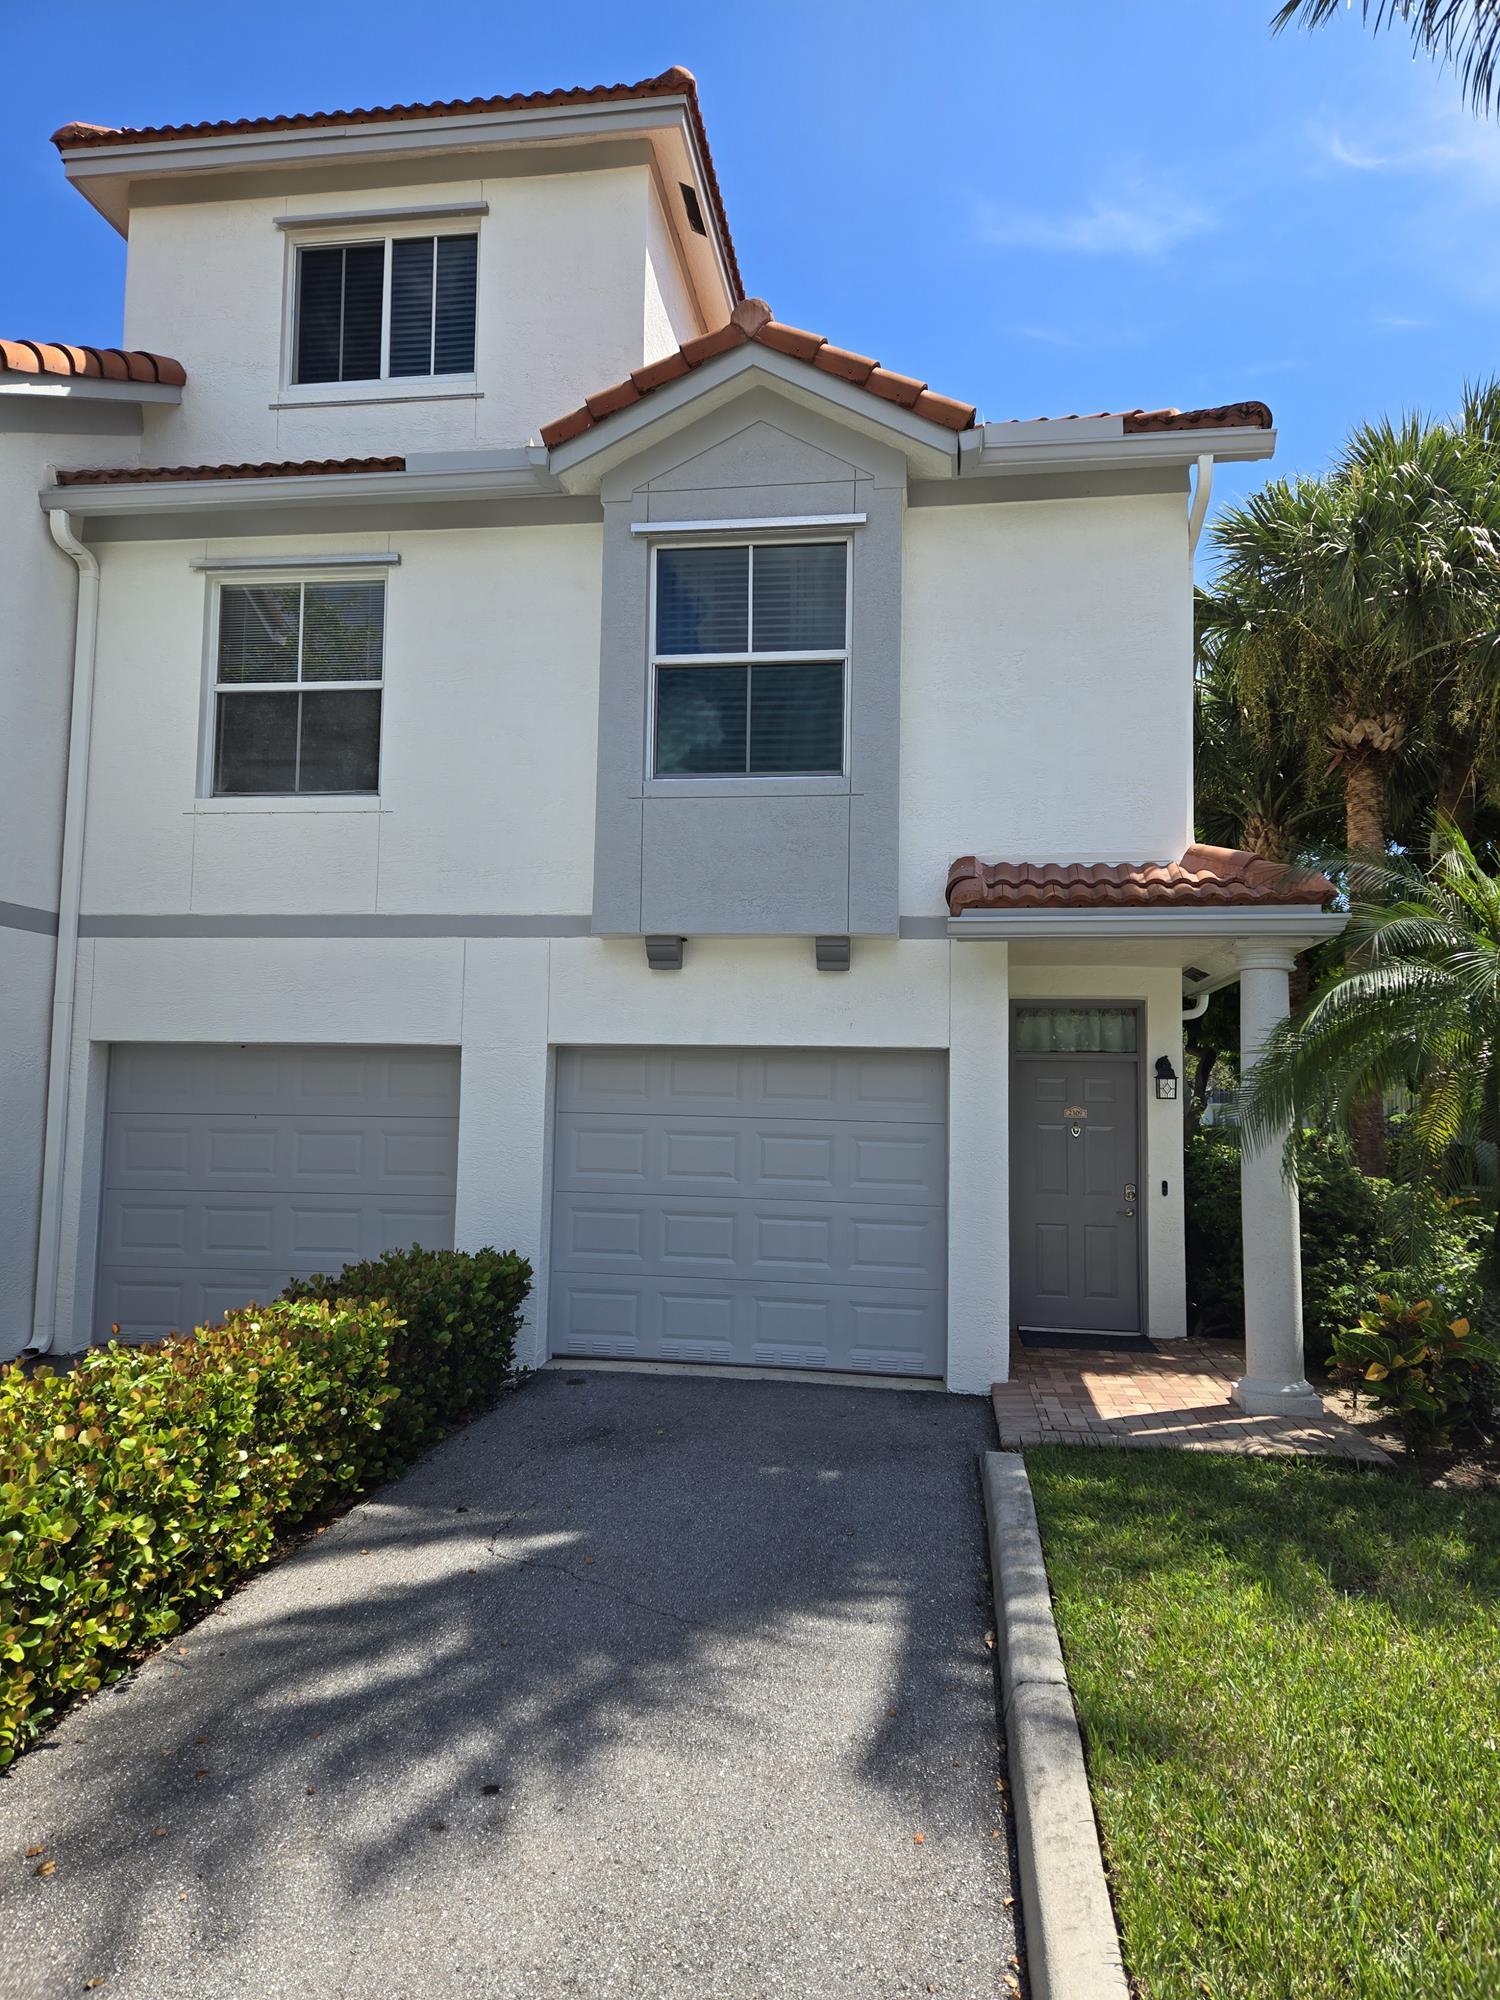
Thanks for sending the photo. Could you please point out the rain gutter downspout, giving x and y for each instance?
(1202, 493)
(65, 964)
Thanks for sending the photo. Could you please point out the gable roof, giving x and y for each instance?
(673, 82)
(107, 364)
(1204, 875)
(752, 320)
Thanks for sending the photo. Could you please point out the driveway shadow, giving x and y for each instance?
(640, 1685)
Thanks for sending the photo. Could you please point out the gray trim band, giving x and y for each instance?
(25, 917)
(204, 925)
(923, 927)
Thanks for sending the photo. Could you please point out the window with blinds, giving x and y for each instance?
(401, 307)
(750, 659)
(299, 669)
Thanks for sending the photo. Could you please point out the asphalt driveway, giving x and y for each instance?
(644, 1685)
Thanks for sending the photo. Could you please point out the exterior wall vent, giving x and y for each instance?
(692, 209)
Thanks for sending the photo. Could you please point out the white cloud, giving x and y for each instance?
(1139, 219)
(1443, 141)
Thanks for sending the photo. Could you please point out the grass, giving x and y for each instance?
(1288, 1674)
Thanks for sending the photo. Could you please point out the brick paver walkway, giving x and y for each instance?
(1176, 1397)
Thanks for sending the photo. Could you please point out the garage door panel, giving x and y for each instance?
(228, 1171)
(779, 1208)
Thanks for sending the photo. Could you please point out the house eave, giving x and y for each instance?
(1298, 926)
(434, 478)
(1099, 443)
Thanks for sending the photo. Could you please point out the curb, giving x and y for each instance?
(1072, 1945)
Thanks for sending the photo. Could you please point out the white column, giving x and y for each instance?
(979, 1167)
(1273, 1383)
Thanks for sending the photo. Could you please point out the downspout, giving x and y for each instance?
(65, 965)
(1202, 494)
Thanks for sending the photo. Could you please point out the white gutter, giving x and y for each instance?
(1295, 922)
(1202, 494)
(65, 965)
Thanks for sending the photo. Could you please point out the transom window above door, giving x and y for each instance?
(395, 308)
(750, 659)
(298, 673)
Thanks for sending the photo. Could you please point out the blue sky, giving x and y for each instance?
(1037, 206)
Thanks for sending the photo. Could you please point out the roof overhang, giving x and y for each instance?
(1088, 444)
(1206, 936)
(432, 477)
(86, 389)
(931, 450)
(437, 148)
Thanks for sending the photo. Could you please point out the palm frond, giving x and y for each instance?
(1462, 33)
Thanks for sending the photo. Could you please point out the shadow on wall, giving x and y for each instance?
(607, 1581)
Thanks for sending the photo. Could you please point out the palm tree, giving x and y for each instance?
(1416, 1008)
(1465, 33)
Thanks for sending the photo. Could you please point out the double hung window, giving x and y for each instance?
(397, 307)
(750, 659)
(297, 687)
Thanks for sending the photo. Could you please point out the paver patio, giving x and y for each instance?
(1176, 1397)
(641, 1688)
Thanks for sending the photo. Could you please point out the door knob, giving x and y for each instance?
(1126, 1211)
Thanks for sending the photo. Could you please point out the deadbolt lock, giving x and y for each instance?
(1130, 1190)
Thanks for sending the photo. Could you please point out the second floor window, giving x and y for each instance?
(298, 674)
(398, 307)
(750, 655)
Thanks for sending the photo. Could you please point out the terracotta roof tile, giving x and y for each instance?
(1204, 875)
(1220, 417)
(752, 320)
(672, 82)
(108, 364)
(289, 468)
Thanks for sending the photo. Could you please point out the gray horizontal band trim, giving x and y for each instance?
(25, 917)
(207, 925)
(924, 927)
(226, 563)
(430, 212)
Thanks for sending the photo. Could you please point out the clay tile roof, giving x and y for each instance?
(109, 364)
(1204, 876)
(752, 320)
(674, 82)
(1221, 417)
(288, 468)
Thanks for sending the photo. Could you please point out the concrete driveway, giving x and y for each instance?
(644, 1685)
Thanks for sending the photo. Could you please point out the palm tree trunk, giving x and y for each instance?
(1489, 1269)
(1455, 796)
(1364, 826)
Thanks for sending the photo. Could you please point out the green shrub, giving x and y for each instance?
(461, 1311)
(1354, 1240)
(138, 1485)
(1428, 1369)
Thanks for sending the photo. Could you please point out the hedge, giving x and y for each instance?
(139, 1485)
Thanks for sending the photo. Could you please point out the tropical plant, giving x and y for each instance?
(1417, 1009)
(1424, 1367)
(1465, 33)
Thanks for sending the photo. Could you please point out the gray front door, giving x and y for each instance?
(1075, 1174)
(777, 1208)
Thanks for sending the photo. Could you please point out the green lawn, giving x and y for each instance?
(1288, 1675)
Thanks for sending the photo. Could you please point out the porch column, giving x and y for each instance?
(1273, 1383)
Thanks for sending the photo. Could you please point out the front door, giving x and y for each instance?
(1075, 1183)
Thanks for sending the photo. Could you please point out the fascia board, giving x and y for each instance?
(1289, 922)
(1040, 451)
(165, 496)
(930, 450)
(89, 389)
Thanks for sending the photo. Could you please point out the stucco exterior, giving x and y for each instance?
(1017, 675)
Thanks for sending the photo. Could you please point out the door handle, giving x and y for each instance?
(1125, 1211)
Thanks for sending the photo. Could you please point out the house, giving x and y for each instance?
(506, 739)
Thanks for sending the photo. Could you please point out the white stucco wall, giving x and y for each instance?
(1046, 693)
(488, 759)
(576, 280)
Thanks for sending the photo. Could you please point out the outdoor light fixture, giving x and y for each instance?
(1166, 1077)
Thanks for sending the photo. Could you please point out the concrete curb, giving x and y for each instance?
(1072, 1945)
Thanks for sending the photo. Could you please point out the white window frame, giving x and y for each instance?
(810, 656)
(213, 687)
(368, 388)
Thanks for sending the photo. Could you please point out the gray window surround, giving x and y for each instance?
(738, 855)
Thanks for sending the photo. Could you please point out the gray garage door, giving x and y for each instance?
(229, 1170)
(776, 1207)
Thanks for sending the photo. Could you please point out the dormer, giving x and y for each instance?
(439, 277)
